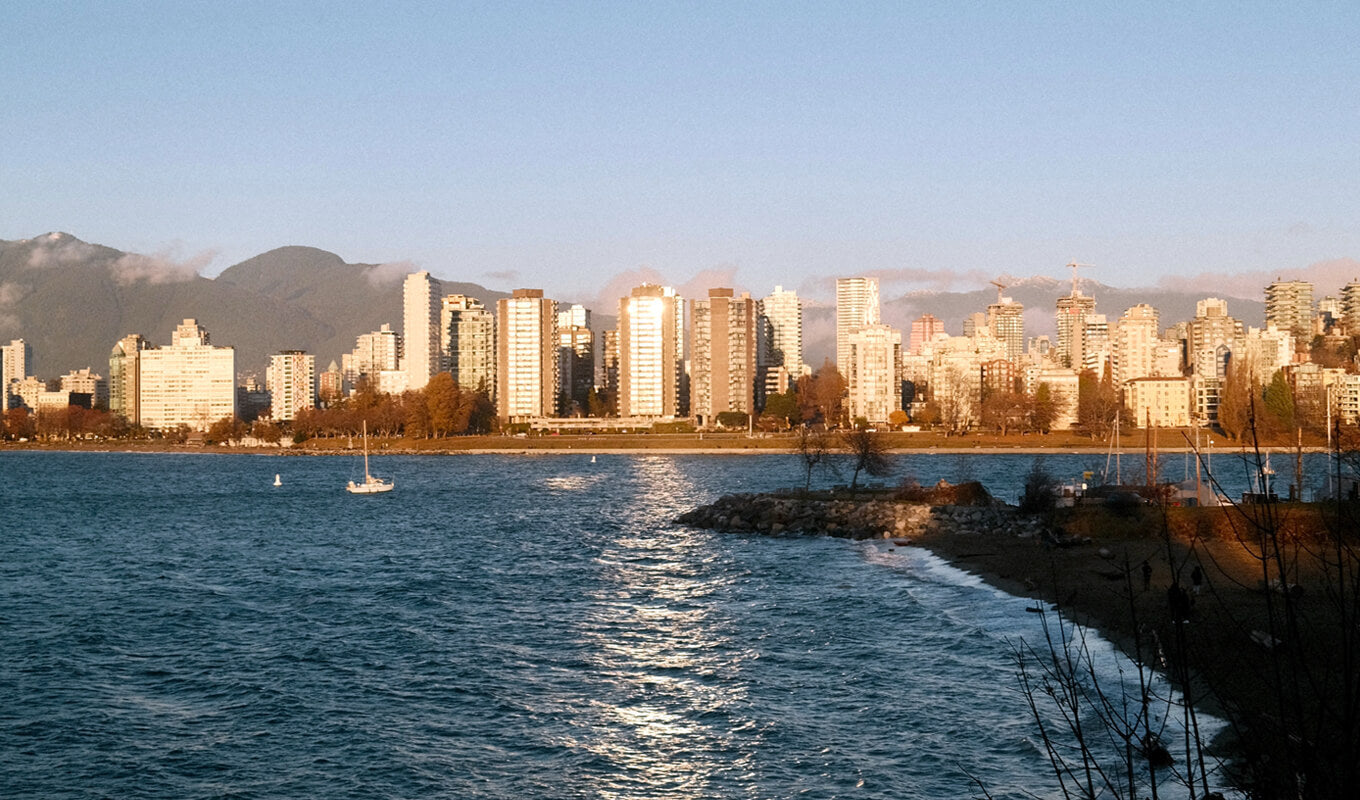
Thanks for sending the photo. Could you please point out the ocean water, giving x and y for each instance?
(174, 626)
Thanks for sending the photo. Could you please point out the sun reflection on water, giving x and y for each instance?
(670, 713)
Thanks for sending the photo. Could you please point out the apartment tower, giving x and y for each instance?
(468, 342)
(422, 358)
(291, 380)
(652, 353)
(723, 372)
(191, 382)
(1289, 307)
(1006, 321)
(125, 377)
(779, 345)
(1072, 311)
(1135, 342)
(856, 307)
(923, 329)
(526, 356)
(875, 387)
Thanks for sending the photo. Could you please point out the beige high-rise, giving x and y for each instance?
(856, 307)
(723, 369)
(651, 353)
(526, 356)
(291, 381)
(188, 383)
(421, 358)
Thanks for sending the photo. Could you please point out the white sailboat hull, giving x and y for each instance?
(371, 485)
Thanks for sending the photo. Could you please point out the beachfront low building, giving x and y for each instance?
(1159, 402)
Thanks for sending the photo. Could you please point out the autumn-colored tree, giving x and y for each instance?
(224, 431)
(1005, 411)
(898, 419)
(1234, 400)
(442, 400)
(266, 431)
(928, 414)
(821, 395)
(1097, 403)
(1043, 409)
(780, 409)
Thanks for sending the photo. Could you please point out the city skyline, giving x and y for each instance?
(930, 147)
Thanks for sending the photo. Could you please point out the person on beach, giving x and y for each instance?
(1147, 576)
(1196, 578)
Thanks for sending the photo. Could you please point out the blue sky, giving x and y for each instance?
(560, 145)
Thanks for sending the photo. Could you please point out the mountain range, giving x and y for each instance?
(72, 300)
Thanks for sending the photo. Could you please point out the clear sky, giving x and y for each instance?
(559, 145)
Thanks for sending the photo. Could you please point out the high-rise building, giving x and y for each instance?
(1350, 307)
(86, 382)
(16, 361)
(575, 356)
(574, 315)
(923, 329)
(1210, 330)
(125, 377)
(875, 386)
(779, 345)
(1135, 343)
(1006, 320)
(856, 307)
(652, 353)
(191, 382)
(330, 384)
(723, 375)
(526, 356)
(291, 381)
(609, 371)
(1289, 306)
(975, 322)
(576, 364)
(468, 342)
(422, 358)
(374, 355)
(1096, 351)
(1071, 316)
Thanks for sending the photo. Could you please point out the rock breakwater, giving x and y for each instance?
(859, 515)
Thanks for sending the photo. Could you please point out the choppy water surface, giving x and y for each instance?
(173, 626)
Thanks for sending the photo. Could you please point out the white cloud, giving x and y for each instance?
(389, 273)
(159, 268)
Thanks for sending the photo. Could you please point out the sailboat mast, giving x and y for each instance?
(366, 475)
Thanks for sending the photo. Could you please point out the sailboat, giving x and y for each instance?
(371, 485)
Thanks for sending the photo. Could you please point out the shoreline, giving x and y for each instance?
(729, 450)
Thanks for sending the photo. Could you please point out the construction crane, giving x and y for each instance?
(1073, 266)
(1000, 287)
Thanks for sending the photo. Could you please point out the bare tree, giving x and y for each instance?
(868, 454)
(814, 448)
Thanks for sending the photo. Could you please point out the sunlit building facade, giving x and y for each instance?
(723, 374)
(291, 381)
(526, 361)
(652, 353)
(190, 382)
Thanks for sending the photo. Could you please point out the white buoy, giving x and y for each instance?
(277, 480)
